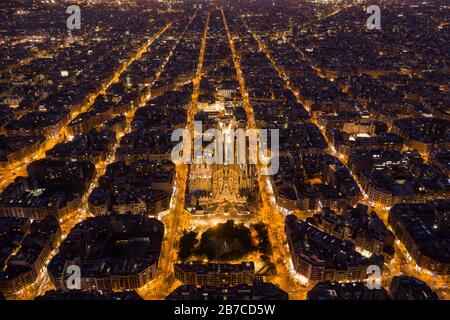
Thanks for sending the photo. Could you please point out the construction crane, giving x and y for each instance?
(168, 3)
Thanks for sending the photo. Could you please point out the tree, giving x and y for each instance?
(226, 241)
(187, 244)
